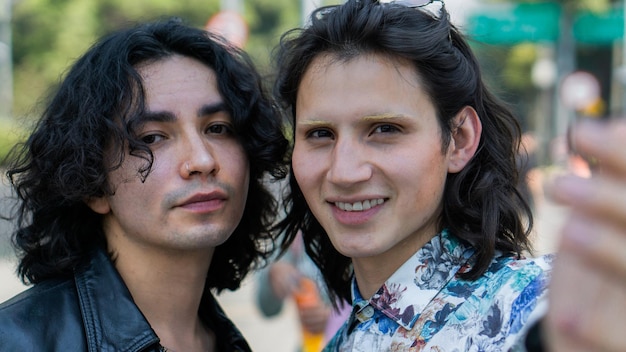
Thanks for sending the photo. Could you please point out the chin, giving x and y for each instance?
(207, 239)
(358, 251)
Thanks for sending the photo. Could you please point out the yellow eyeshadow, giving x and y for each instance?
(365, 118)
(313, 123)
(383, 117)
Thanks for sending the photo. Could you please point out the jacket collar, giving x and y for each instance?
(113, 322)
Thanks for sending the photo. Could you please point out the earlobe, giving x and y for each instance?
(99, 205)
(465, 139)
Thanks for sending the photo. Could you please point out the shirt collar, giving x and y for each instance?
(408, 291)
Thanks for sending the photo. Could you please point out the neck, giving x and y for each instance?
(372, 272)
(168, 287)
(370, 278)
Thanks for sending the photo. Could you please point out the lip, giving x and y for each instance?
(204, 202)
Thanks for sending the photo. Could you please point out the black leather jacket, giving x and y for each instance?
(94, 312)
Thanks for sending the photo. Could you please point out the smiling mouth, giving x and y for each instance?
(359, 206)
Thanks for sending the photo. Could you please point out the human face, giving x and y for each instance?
(368, 157)
(195, 194)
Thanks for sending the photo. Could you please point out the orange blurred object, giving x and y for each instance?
(308, 296)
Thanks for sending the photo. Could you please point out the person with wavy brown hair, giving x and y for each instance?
(403, 181)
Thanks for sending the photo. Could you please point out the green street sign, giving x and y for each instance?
(515, 23)
(599, 28)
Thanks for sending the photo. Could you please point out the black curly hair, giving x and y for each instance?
(481, 204)
(96, 107)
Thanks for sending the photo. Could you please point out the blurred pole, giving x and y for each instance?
(566, 64)
(6, 62)
(543, 76)
(232, 5)
(623, 68)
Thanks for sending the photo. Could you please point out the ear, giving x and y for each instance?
(99, 204)
(465, 139)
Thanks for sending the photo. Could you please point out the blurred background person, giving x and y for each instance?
(294, 276)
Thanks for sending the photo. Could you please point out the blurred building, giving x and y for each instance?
(573, 40)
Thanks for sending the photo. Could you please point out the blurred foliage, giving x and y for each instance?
(507, 72)
(10, 134)
(507, 69)
(267, 20)
(48, 35)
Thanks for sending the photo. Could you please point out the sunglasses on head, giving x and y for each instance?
(411, 3)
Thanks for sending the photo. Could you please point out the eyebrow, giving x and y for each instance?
(313, 123)
(210, 109)
(384, 116)
(375, 117)
(168, 116)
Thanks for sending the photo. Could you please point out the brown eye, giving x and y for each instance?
(219, 128)
(386, 129)
(320, 133)
(151, 138)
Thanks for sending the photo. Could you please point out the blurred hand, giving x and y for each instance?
(588, 288)
(283, 278)
(314, 318)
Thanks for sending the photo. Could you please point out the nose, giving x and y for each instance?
(349, 163)
(198, 158)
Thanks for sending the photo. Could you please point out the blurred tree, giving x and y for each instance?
(507, 69)
(267, 20)
(48, 35)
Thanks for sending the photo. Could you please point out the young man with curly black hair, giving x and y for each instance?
(140, 190)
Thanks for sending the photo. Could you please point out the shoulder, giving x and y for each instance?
(31, 319)
(495, 309)
(32, 297)
(521, 295)
(543, 262)
(512, 286)
(518, 277)
(507, 274)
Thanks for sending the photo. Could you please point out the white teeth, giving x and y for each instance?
(359, 206)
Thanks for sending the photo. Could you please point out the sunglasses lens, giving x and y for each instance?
(320, 14)
(410, 3)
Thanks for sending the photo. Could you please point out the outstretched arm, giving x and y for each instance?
(588, 289)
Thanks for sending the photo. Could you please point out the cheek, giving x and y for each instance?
(245, 185)
(127, 178)
(240, 167)
(425, 179)
(237, 172)
(302, 170)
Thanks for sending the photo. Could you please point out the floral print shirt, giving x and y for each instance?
(426, 306)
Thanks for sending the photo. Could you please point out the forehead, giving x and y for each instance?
(177, 77)
(371, 73)
(321, 63)
(175, 69)
(369, 83)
